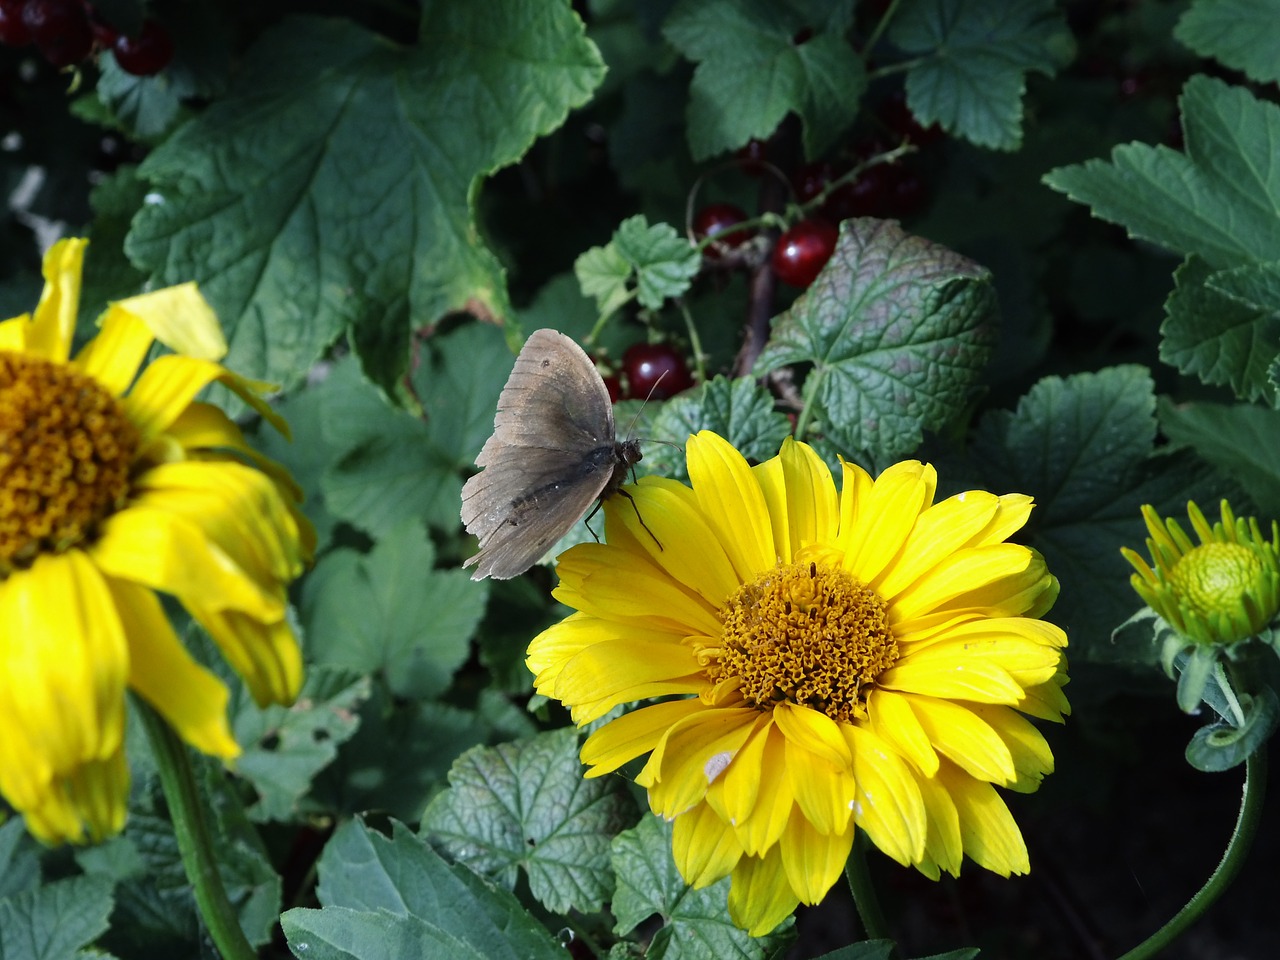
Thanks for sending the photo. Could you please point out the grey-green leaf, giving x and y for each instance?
(897, 328)
(1240, 33)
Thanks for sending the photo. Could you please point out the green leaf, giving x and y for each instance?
(975, 55)
(696, 922)
(285, 747)
(54, 921)
(389, 611)
(751, 71)
(108, 275)
(401, 753)
(388, 469)
(1240, 440)
(1239, 33)
(739, 410)
(527, 805)
(654, 260)
(1084, 448)
(1218, 200)
(362, 218)
(866, 950)
(19, 859)
(1220, 338)
(1254, 284)
(144, 107)
(458, 382)
(897, 329)
(390, 898)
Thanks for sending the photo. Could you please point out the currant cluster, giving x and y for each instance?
(67, 32)
(881, 190)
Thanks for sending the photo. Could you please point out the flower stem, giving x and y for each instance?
(864, 893)
(1255, 786)
(194, 842)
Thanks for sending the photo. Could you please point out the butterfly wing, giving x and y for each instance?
(551, 454)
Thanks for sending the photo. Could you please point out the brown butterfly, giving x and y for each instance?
(554, 452)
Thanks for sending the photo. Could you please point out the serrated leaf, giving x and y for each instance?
(388, 470)
(696, 923)
(362, 218)
(751, 71)
(897, 328)
(739, 410)
(1218, 337)
(1084, 448)
(1218, 199)
(975, 55)
(526, 805)
(394, 898)
(19, 859)
(649, 261)
(145, 107)
(389, 611)
(54, 921)
(1239, 33)
(1240, 440)
(1254, 284)
(285, 747)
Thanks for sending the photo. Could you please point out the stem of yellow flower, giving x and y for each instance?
(1255, 780)
(187, 810)
(864, 892)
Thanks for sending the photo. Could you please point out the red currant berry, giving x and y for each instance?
(13, 32)
(803, 251)
(60, 30)
(146, 54)
(715, 218)
(655, 370)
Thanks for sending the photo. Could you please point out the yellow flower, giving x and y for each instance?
(1220, 591)
(827, 662)
(115, 485)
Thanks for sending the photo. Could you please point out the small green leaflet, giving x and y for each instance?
(54, 921)
(649, 263)
(362, 218)
(752, 70)
(897, 328)
(974, 58)
(526, 805)
(1240, 33)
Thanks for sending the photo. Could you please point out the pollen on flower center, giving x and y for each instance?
(808, 634)
(66, 446)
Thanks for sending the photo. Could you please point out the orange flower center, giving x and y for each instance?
(808, 634)
(66, 446)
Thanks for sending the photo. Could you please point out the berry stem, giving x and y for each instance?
(695, 343)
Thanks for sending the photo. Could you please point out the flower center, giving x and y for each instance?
(65, 451)
(1214, 576)
(808, 634)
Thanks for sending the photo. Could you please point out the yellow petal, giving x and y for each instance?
(181, 319)
(686, 548)
(620, 671)
(65, 661)
(990, 835)
(550, 650)
(729, 496)
(775, 803)
(944, 846)
(960, 735)
(855, 500)
(800, 497)
(823, 791)
(813, 861)
(979, 577)
(166, 552)
(264, 653)
(114, 355)
(938, 532)
(694, 752)
(897, 497)
(953, 675)
(190, 698)
(1032, 757)
(740, 785)
(760, 896)
(887, 803)
(54, 321)
(170, 383)
(13, 333)
(814, 732)
(703, 848)
(633, 734)
(894, 721)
